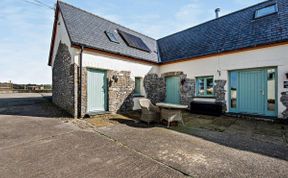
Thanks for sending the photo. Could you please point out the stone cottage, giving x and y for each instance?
(239, 59)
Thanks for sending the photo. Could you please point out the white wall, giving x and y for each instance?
(61, 35)
(266, 57)
(109, 62)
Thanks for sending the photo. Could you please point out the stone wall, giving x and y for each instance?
(84, 92)
(219, 90)
(187, 90)
(186, 85)
(155, 88)
(284, 101)
(120, 93)
(169, 74)
(63, 80)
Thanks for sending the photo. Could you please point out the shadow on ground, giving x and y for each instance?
(262, 137)
(35, 105)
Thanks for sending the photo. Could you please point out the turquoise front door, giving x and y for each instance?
(172, 90)
(253, 91)
(96, 90)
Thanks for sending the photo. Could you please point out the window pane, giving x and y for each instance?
(271, 93)
(201, 88)
(210, 86)
(205, 86)
(137, 86)
(111, 37)
(233, 89)
(266, 11)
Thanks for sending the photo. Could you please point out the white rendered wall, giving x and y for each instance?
(61, 35)
(266, 57)
(109, 62)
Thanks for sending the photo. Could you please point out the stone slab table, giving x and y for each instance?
(171, 112)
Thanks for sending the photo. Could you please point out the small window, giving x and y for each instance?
(266, 11)
(205, 86)
(137, 90)
(233, 89)
(112, 37)
(271, 90)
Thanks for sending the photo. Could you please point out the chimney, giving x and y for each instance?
(217, 12)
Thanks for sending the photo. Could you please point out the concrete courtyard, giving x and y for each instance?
(39, 140)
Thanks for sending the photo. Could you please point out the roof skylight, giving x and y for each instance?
(266, 11)
(112, 37)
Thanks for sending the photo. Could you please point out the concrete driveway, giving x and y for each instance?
(36, 141)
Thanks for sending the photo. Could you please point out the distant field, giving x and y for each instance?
(25, 91)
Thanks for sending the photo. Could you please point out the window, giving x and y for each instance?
(271, 89)
(111, 37)
(266, 11)
(137, 90)
(205, 86)
(233, 89)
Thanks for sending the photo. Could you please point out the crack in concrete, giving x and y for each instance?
(106, 137)
(140, 153)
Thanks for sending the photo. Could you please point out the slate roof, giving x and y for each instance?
(234, 31)
(88, 30)
(231, 32)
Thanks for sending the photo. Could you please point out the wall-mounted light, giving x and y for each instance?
(219, 73)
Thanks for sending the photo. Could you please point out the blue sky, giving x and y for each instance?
(25, 29)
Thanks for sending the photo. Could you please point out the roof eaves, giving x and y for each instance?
(113, 52)
(263, 45)
(54, 31)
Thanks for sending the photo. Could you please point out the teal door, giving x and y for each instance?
(252, 92)
(96, 90)
(172, 90)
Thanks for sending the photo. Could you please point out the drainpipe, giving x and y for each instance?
(80, 82)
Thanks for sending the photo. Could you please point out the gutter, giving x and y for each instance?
(80, 83)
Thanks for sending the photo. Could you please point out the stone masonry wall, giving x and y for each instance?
(284, 101)
(155, 88)
(121, 88)
(219, 90)
(84, 92)
(187, 90)
(63, 80)
(186, 85)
